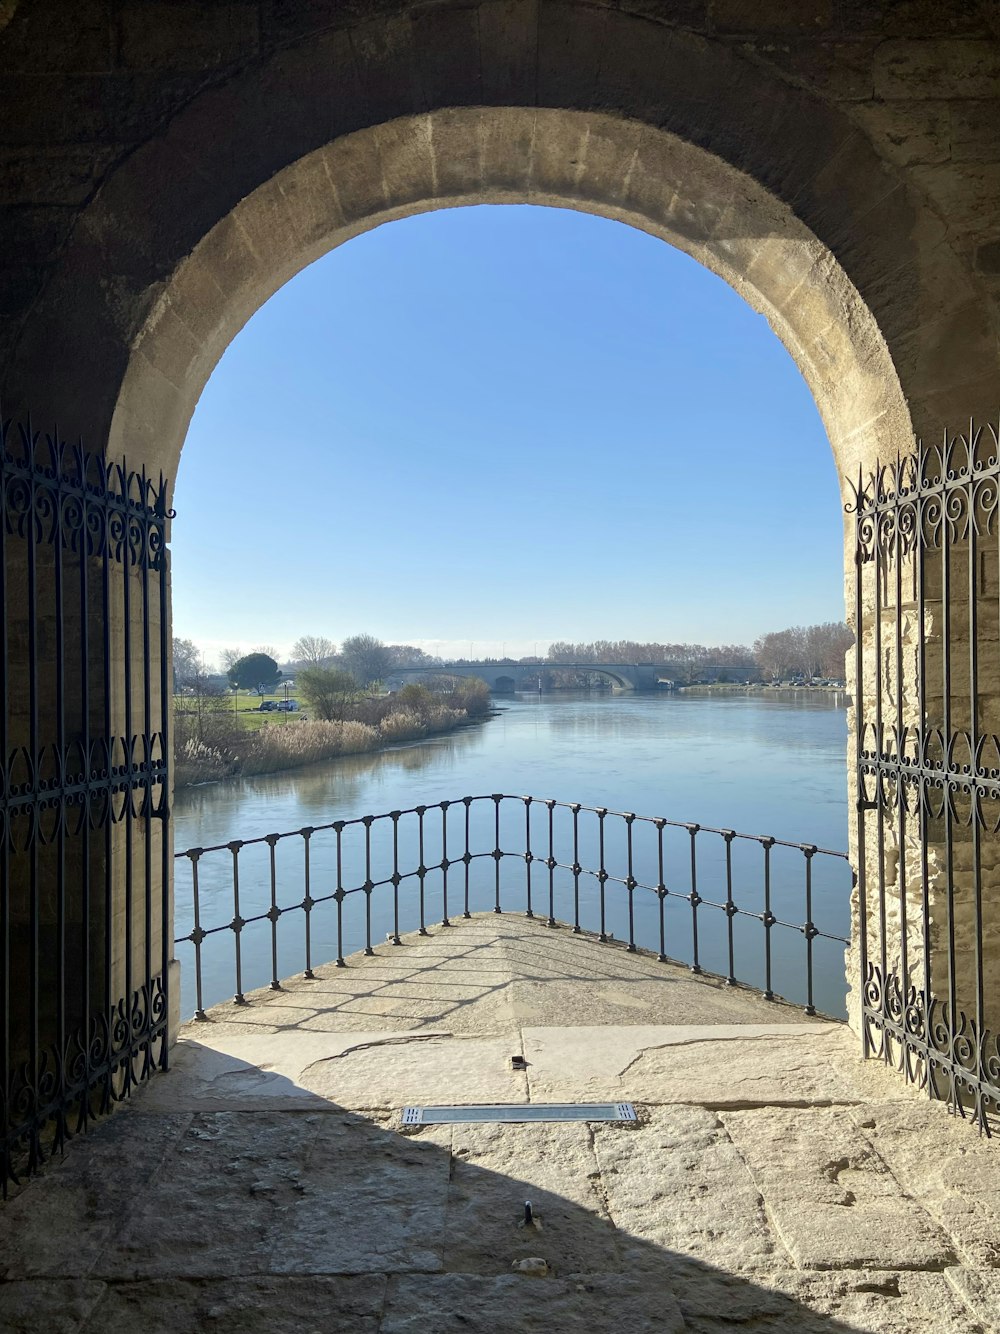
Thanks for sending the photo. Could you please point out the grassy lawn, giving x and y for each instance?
(244, 707)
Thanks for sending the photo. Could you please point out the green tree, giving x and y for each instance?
(327, 691)
(257, 671)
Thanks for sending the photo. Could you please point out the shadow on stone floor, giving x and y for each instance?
(293, 1214)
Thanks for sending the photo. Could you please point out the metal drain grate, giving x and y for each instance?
(524, 1111)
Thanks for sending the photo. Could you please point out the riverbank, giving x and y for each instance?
(280, 746)
(736, 688)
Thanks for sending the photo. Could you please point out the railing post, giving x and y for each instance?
(731, 909)
(197, 935)
(497, 854)
(768, 917)
(274, 912)
(396, 877)
(338, 895)
(445, 863)
(551, 862)
(630, 883)
(421, 868)
(808, 928)
(694, 898)
(661, 888)
(577, 868)
(307, 902)
(237, 923)
(528, 858)
(602, 874)
(368, 886)
(467, 855)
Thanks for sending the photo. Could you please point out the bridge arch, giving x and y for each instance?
(622, 678)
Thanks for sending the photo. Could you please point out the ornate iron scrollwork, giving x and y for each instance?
(927, 608)
(84, 792)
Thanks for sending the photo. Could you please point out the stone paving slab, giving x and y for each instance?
(236, 1306)
(792, 1302)
(717, 1065)
(55, 1306)
(65, 1220)
(831, 1197)
(438, 1069)
(678, 1182)
(303, 1070)
(958, 1181)
(580, 1304)
(287, 1193)
(979, 1291)
(496, 1168)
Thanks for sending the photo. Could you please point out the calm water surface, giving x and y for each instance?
(759, 764)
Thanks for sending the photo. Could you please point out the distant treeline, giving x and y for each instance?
(799, 650)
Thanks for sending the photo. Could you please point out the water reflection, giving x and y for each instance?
(760, 764)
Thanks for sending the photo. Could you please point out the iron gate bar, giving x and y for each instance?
(934, 781)
(77, 796)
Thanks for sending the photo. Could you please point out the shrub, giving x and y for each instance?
(472, 695)
(402, 726)
(327, 690)
(197, 762)
(275, 748)
(415, 698)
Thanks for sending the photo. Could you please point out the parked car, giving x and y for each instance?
(267, 706)
(287, 706)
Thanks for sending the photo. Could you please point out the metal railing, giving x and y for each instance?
(752, 909)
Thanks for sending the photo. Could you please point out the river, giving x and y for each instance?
(760, 764)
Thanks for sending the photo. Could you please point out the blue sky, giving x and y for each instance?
(488, 428)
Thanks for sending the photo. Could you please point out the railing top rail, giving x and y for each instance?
(766, 840)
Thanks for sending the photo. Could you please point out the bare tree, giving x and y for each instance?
(407, 655)
(366, 658)
(775, 653)
(313, 650)
(807, 650)
(187, 662)
(229, 657)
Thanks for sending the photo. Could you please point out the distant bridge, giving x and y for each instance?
(503, 677)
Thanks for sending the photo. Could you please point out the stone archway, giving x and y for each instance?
(595, 107)
(267, 150)
(593, 162)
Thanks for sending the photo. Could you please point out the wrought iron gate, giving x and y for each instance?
(84, 932)
(927, 692)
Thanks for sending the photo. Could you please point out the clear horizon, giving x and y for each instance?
(485, 429)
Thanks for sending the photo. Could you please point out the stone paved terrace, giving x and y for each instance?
(771, 1183)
